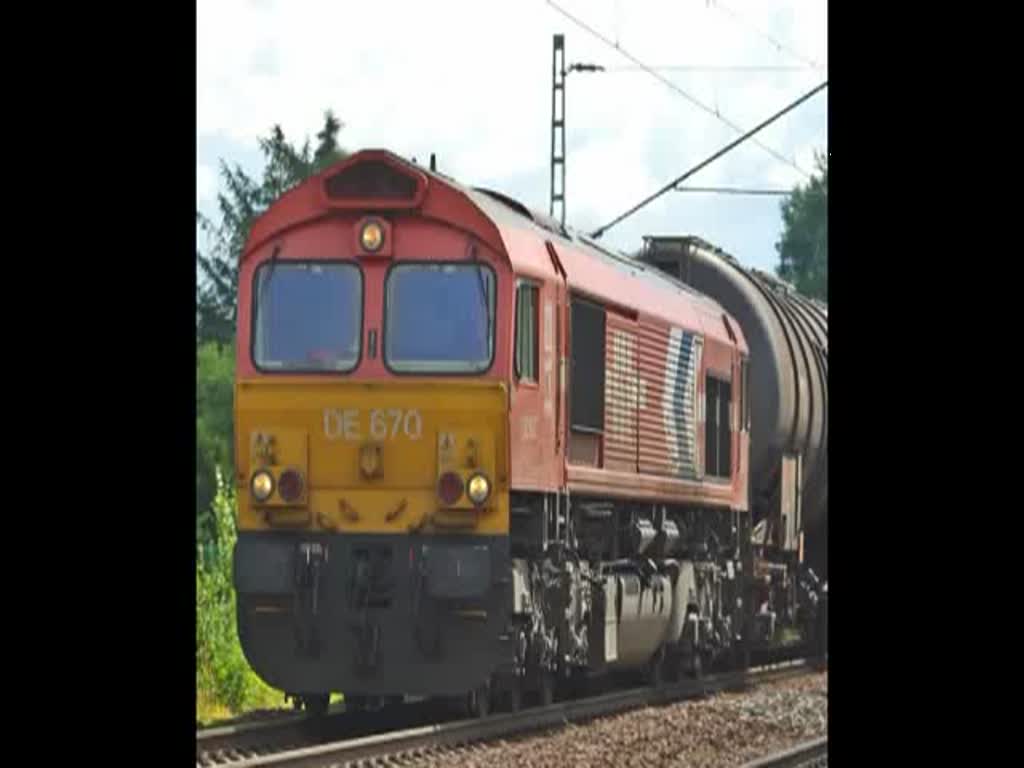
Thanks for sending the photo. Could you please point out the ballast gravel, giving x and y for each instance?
(726, 729)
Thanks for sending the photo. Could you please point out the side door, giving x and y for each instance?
(556, 321)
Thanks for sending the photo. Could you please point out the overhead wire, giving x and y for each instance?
(736, 191)
(712, 68)
(707, 161)
(782, 47)
(713, 112)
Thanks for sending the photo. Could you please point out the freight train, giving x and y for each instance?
(482, 457)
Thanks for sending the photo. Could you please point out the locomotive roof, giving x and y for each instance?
(611, 277)
(697, 312)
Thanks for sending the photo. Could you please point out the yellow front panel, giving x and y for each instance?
(371, 454)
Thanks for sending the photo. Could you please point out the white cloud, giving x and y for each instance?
(470, 81)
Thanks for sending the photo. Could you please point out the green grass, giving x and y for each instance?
(213, 707)
(226, 686)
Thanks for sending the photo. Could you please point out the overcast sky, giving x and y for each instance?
(471, 82)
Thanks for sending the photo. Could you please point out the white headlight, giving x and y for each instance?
(262, 485)
(478, 489)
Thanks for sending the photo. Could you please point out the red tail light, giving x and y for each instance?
(449, 488)
(290, 485)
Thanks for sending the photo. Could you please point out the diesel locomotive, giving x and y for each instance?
(480, 456)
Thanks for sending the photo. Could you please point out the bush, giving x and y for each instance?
(225, 683)
(215, 373)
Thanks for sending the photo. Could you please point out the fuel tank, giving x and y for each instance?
(788, 338)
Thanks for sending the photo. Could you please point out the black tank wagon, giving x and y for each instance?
(788, 404)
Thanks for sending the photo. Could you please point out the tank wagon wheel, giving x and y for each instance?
(655, 672)
(742, 660)
(696, 666)
(821, 628)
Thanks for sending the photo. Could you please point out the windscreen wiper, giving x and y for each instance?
(483, 289)
(270, 274)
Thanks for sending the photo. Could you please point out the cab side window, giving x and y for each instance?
(526, 332)
(717, 432)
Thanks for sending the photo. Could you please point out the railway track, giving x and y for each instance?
(810, 754)
(336, 740)
(228, 744)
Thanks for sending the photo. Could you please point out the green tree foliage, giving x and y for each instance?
(803, 249)
(215, 376)
(241, 202)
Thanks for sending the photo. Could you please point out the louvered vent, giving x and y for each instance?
(371, 180)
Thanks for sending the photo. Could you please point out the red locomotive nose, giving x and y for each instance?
(449, 488)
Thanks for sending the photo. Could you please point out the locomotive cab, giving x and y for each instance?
(371, 428)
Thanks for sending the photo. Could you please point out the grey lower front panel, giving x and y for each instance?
(373, 614)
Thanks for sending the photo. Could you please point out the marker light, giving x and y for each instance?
(372, 236)
(449, 488)
(262, 485)
(290, 485)
(478, 489)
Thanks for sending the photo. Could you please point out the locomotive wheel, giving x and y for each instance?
(514, 696)
(547, 688)
(580, 685)
(356, 703)
(515, 699)
(478, 702)
(317, 704)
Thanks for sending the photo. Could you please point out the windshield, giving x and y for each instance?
(308, 316)
(439, 318)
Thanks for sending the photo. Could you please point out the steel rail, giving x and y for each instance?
(807, 755)
(233, 733)
(414, 741)
(228, 743)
